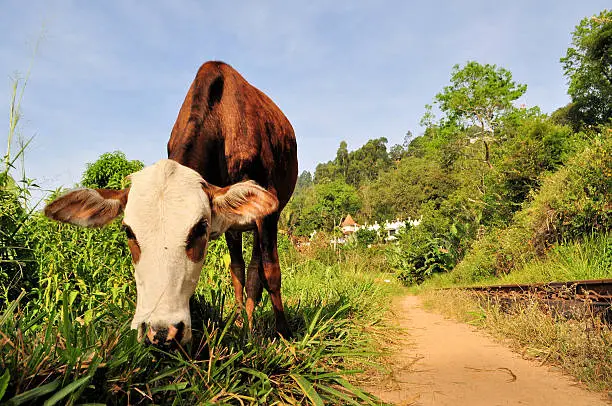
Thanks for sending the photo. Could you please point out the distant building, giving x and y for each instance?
(348, 225)
(392, 227)
(387, 231)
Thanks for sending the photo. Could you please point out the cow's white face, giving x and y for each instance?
(170, 215)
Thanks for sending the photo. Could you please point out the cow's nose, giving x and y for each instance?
(166, 338)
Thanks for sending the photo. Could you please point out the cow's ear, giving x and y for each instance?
(88, 207)
(239, 204)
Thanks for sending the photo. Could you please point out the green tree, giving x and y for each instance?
(588, 66)
(303, 181)
(324, 207)
(109, 171)
(355, 167)
(342, 159)
(367, 162)
(479, 96)
(325, 172)
(334, 201)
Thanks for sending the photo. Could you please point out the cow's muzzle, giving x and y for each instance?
(164, 338)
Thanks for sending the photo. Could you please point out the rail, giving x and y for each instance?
(570, 299)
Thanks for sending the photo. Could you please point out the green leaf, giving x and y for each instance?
(67, 390)
(4, 381)
(308, 390)
(172, 387)
(34, 393)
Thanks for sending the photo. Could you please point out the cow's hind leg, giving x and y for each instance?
(234, 244)
(271, 275)
(254, 286)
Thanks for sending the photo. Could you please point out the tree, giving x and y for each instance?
(588, 66)
(479, 96)
(334, 201)
(303, 181)
(325, 172)
(109, 171)
(367, 162)
(322, 207)
(342, 159)
(396, 152)
(355, 167)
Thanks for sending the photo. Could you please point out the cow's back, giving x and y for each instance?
(228, 131)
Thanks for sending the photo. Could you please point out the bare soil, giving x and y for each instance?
(443, 362)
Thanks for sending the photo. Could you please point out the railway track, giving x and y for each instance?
(569, 299)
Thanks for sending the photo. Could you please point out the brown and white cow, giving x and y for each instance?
(232, 167)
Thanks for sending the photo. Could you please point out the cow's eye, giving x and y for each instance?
(132, 243)
(197, 231)
(196, 241)
(129, 233)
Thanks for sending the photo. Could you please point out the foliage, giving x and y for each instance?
(324, 208)
(418, 254)
(366, 237)
(16, 258)
(356, 167)
(539, 147)
(303, 181)
(109, 171)
(588, 66)
(401, 191)
(479, 95)
(572, 203)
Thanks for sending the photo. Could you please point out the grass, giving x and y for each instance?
(581, 347)
(51, 353)
(589, 258)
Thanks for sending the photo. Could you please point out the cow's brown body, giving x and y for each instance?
(229, 131)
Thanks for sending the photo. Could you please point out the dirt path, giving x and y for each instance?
(449, 363)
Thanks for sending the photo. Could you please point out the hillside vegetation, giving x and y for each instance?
(496, 184)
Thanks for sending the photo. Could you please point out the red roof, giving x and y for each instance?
(348, 221)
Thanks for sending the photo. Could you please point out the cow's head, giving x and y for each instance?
(170, 215)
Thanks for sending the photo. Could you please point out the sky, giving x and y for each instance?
(112, 75)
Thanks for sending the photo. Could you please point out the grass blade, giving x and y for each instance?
(33, 393)
(4, 381)
(67, 390)
(308, 390)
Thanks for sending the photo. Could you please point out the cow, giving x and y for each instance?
(231, 168)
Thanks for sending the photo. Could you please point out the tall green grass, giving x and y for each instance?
(588, 258)
(52, 349)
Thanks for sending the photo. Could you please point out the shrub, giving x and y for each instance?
(365, 237)
(417, 255)
(572, 203)
(109, 171)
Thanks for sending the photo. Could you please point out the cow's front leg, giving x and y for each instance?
(234, 244)
(254, 286)
(271, 275)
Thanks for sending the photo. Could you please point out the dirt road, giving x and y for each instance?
(449, 363)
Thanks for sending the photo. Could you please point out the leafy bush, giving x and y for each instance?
(109, 171)
(572, 204)
(538, 147)
(17, 269)
(365, 237)
(417, 255)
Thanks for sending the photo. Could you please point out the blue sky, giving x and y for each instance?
(112, 75)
